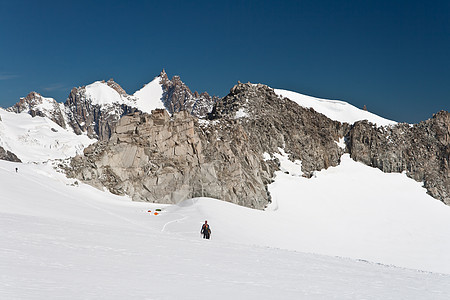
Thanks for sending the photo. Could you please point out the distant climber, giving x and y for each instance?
(206, 231)
(17, 170)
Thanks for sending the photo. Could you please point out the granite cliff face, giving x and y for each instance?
(167, 159)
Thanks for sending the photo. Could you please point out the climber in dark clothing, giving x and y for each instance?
(206, 231)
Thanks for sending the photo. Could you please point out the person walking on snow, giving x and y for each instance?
(206, 231)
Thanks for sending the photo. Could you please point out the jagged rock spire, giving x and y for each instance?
(178, 97)
(163, 75)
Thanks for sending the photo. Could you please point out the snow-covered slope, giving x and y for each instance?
(149, 97)
(146, 99)
(99, 93)
(336, 110)
(38, 139)
(60, 240)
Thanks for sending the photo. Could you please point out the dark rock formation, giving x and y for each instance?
(422, 150)
(273, 123)
(7, 155)
(177, 97)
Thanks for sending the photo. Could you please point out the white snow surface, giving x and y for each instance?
(33, 140)
(149, 97)
(100, 93)
(146, 99)
(341, 143)
(241, 113)
(63, 241)
(334, 109)
(287, 166)
(46, 105)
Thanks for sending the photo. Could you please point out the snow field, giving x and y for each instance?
(60, 240)
(50, 259)
(350, 211)
(149, 97)
(336, 110)
(33, 140)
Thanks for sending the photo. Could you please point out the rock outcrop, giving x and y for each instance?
(166, 159)
(178, 97)
(272, 122)
(8, 155)
(421, 150)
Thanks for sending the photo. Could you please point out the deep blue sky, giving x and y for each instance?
(393, 56)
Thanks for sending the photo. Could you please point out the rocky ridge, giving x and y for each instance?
(220, 147)
(421, 150)
(163, 158)
(82, 115)
(159, 158)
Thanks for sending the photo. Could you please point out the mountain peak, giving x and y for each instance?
(163, 75)
(32, 95)
(245, 99)
(37, 105)
(31, 101)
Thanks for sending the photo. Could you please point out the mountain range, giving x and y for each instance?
(189, 144)
(316, 195)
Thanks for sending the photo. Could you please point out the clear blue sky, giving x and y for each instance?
(393, 56)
